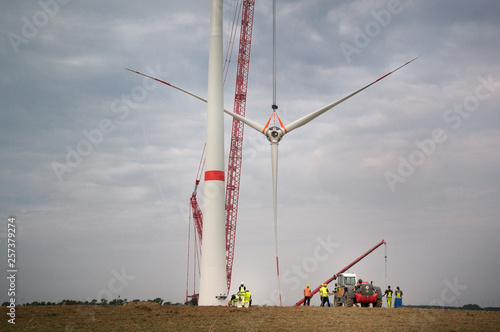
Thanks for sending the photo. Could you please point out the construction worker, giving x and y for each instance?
(324, 295)
(248, 298)
(234, 299)
(307, 295)
(358, 284)
(337, 295)
(398, 302)
(241, 293)
(388, 292)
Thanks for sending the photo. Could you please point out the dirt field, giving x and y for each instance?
(153, 317)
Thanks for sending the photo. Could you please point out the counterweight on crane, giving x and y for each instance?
(345, 269)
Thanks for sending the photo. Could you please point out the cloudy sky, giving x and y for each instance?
(98, 164)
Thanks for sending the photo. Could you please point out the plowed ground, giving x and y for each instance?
(153, 317)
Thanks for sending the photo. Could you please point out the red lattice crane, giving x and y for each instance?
(196, 211)
(235, 150)
(195, 218)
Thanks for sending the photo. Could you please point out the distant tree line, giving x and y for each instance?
(118, 301)
(464, 307)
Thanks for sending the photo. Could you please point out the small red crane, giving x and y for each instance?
(347, 268)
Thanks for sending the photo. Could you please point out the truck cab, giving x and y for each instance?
(344, 281)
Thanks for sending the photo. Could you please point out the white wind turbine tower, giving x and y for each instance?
(213, 286)
(213, 277)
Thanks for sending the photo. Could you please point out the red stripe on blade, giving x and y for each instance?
(384, 76)
(214, 176)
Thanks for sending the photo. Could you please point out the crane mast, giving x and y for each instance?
(236, 146)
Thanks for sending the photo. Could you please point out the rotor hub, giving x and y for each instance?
(275, 134)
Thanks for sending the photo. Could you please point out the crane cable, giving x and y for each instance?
(275, 107)
(232, 36)
(385, 251)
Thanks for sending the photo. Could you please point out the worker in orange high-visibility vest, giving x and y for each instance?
(388, 292)
(307, 295)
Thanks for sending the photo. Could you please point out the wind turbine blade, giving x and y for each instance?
(306, 119)
(248, 122)
(169, 84)
(274, 162)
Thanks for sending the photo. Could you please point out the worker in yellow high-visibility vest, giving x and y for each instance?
(248, 298)
(241, 293)
(388, 292)
(324, 295)
(234, 299)
(398, 302)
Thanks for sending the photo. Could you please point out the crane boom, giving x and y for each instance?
(197, 213)
(345, 269)
(196, 216)
(236, 146)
